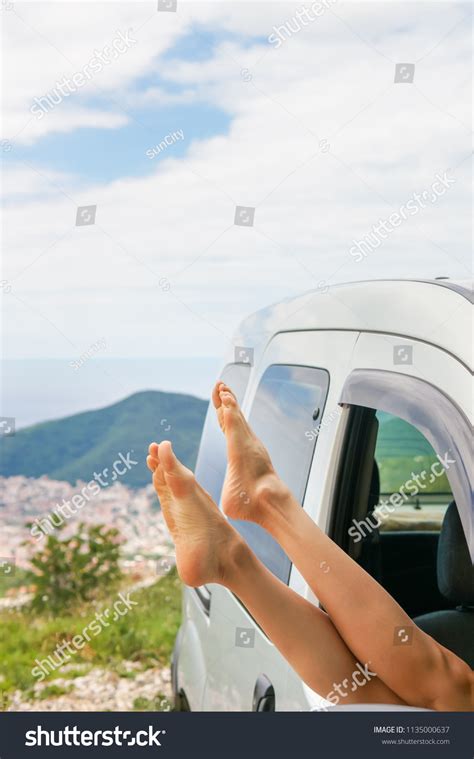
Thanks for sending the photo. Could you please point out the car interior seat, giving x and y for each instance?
(453, 628)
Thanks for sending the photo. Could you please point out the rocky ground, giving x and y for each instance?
(99, 690)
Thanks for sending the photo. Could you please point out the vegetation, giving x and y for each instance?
(158, 704)
(76, 569)
(53, 691)
(75, 447)
(146, 635)
(20, 577)
(77, 582)
(402, 451)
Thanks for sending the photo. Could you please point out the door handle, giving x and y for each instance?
(263, 695)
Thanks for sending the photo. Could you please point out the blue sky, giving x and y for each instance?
(98, 155)
(255, 122)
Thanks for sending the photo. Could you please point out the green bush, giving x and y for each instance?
(76, 569)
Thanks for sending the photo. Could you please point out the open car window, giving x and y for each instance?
(414, 487)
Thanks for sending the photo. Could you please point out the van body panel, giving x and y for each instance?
(232, 670)
(356, 326)
(422, 311)
(191, 664)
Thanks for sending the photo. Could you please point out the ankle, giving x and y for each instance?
(235, 560)
(274, 502)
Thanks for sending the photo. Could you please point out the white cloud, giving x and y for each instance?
(387, 141)
(45, 41)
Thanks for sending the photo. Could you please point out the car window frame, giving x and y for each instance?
(294, 365)
(203, 592)
(436, 415)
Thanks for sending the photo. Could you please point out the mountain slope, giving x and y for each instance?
(77, 446)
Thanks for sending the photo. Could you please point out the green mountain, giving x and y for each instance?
(75, 447)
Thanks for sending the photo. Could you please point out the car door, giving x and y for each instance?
(292, 405)
(416, 381)
(445, 395)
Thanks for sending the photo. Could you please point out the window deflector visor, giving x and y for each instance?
(425, 407)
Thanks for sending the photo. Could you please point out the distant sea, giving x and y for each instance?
(42, 389)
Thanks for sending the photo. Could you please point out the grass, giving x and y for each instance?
(52, 691)
(145, 634)
(158, 704)
(7, 583)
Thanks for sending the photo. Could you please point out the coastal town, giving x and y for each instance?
(42, 502)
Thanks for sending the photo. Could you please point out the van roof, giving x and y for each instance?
(434, 311)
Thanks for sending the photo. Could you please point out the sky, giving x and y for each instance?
(308, 128)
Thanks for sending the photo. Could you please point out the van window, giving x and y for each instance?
(286, 404)
(392, 494)
(414, 488)
(212, 458)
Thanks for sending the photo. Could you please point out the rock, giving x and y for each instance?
(101, 690)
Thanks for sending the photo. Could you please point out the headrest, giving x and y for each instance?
(455, 569)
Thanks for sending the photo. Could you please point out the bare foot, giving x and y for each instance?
(205, 542)
(251, 487)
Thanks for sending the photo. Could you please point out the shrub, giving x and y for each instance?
(76, 569)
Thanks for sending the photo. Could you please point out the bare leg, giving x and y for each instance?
(208, 549)
(423, 673)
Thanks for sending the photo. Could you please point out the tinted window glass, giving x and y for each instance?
(212, 458)
(282, 417)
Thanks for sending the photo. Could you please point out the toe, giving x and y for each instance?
(152, 463)
(170, 462)
(226, 389)
(216, 399)
(153, 450)
(179, 479)
(228, 400)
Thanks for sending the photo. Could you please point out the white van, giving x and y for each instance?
(362, 395)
